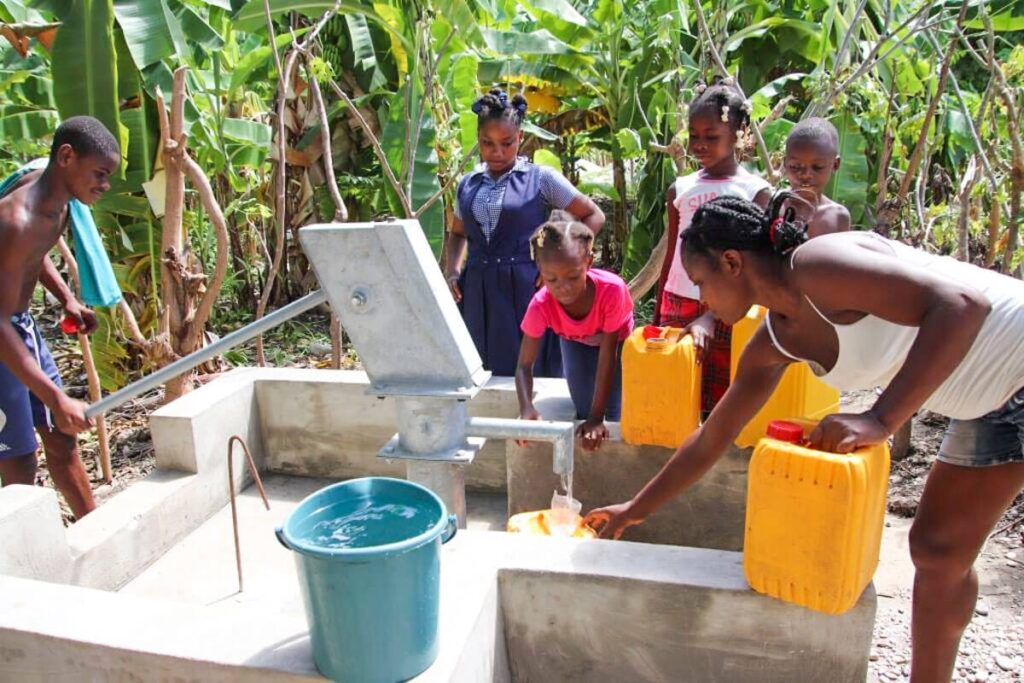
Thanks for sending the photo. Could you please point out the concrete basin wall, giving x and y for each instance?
(513, 608)
(322, 423)
(709, 515)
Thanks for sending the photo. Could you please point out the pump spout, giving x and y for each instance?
(561, 434)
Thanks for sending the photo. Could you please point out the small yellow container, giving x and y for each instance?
(814, 521)
(537, 523)
(660, 387)
(800, 393)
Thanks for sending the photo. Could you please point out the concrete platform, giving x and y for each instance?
(513, 608)
(264, 561)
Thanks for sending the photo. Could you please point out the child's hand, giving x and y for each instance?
(528, 414)
(703, 331)
(592, 433)
(453, 285)
(84, 318)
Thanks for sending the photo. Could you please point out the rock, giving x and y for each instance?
(1005, 663)
(981, 609)
(873, 657)
(981, 677)
(905, 671)
(1011, 563)
(319, 348)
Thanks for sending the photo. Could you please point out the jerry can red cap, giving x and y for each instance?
(784, 430)
(651, 332)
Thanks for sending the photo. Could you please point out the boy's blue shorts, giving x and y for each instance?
(20, 411)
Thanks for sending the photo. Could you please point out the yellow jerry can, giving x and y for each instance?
(660, 387)
(539, 524)
(814, 519)
(800, 393)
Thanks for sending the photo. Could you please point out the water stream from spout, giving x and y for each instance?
(564, 514)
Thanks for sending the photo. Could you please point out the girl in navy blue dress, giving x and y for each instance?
(500, 204)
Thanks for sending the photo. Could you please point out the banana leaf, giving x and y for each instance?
(85, 65)
(251, 16)
(514, 43)
(25, 122)
(145, 30)
(395, 138)
(850, 184)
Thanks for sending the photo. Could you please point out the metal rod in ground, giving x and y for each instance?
(186, 363)
(231, 493)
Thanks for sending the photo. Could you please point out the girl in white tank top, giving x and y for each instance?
(865, 311)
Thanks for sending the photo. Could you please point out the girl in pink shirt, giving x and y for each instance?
(591, 312)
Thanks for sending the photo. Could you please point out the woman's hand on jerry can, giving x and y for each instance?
(611, 521)
(846, 432)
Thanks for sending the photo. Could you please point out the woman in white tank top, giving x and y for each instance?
(864, 311)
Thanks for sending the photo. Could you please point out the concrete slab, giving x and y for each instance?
(32, 540)
(512, 608)
(264, 561)
(191, 433)
(562, 627)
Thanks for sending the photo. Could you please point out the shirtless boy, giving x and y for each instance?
(812, 156)
(33, 216)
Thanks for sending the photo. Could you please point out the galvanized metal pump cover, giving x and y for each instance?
(384, 283)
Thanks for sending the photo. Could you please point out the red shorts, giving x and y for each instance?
(678, 311)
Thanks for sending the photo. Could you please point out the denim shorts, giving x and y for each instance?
(20, 410)
(993, 439)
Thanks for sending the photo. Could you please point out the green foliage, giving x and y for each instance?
(613, 78)
(85, 66)
(849, 185)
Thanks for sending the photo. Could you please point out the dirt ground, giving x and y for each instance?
(992, 649)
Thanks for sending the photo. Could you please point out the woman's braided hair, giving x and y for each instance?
(734, 223)
(561, 231)
(497, 106)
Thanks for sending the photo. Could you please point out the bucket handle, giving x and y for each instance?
(451, 529)
(279, 532)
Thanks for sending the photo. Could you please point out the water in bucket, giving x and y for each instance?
(371, 525)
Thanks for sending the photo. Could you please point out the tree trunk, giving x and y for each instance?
(188, 297)
(901, 440)
(245, 294)
(172, 237)
(620, 216)
(1016, 186)
(891, 209)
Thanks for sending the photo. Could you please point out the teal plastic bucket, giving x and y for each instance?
(368, 558)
